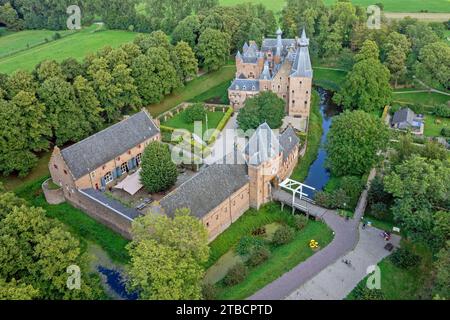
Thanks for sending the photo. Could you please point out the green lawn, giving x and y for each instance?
(178, 122)
(328, 78)
(217, 94)
(283, 258)
(433, 129)
(78, 222)
(405, 284)
(389, 5)
(75, 46)
(23, 40)
(194, 88)
(314, 134)
(426, 98)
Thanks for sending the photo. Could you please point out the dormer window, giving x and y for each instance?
(253, 88)
(244, 88)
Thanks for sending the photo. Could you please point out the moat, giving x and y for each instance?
(318, 175)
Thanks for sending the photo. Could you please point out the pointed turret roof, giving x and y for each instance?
(279, 32)
(265, 75)
(303, 41)
(238, 55)
(262, 146)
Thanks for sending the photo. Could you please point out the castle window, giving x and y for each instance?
(244, 87)
(93, 174)
(104, 167)
(293, 101)
(307, 91)
(300, 82)
(65, 171)
(139, 146)
(129, 151)
(138, 158)
(124, 167)
(306, 102)
(118, 159)
(207, 224)
(217, 217)
(55, 166)
(292, 91)
(108, 177)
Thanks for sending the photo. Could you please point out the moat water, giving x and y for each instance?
(318, 174)
(117, 284)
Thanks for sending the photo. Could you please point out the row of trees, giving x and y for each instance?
(36, 252)
(67, 101)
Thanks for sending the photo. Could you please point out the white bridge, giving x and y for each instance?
(293, 195)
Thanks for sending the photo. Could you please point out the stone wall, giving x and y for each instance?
(53, 196)
(101, 213)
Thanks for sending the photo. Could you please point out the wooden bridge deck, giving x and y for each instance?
(308, 207)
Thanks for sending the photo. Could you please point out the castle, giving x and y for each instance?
(282, 66)
(217, 195)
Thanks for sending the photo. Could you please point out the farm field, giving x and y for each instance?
(389, 5)
(76, 46)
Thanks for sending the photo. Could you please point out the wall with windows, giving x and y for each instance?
(300, 97)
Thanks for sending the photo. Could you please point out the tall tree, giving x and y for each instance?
(213, 49)
(167, 255)
(434, 64)
(186, 62)
(366, 86)
(187, 30)
(353, 143)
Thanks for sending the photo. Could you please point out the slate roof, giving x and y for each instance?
(206, 190)
(111, 203)
(302, 64)
(265, 75)
(404, 115)
(262, 145)
(288, 141)
(271, 43)
(249, 84)
(96, 150)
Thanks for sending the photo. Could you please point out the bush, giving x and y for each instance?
(283, 235)
(196, 112)
(418, 108)
(56, 36)
(259, 231)
(353, 187)
(445, 132)
(322, 199)
(404, 258)
(258, 256)
(361, 292)
(209, 291)
(247, 244)
(442, 111)
(379, 210)
(300, 221)
(236, 274)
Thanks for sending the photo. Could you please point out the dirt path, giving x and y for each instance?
(425, 16)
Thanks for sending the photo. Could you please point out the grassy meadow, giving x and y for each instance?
(76, 46)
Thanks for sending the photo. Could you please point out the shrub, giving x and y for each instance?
(445, 132)
(322, 199)
(442, 111)
(404, 258)
(259, 231)
(361, 292)
(246, 244)
(352, 186)
(339, 199)
(418, 108)
(300, 221)
(236, 274)
(159, 172)
(283, 235)
(379, 210)
(209, 291)
(258, 256)
(56, 36)
(196, 112)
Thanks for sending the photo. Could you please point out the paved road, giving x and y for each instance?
(337, 280)
(346, 236)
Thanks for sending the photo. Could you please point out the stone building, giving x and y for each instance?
(217, 195)
(282, 66)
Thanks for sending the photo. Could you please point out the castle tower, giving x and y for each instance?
(277, 58)
(300, 80)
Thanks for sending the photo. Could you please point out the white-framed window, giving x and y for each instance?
(108, 177)
(124, 167)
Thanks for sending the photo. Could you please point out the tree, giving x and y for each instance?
(167, 256)
(366, 86)
(17, 291)
(186, 63)
(196, 112)
(88, 104)
(213, 49)
(187, 30)
(434, 64)
(159, 172)
(353, 143)
(10, 18)
(264, 107)
(420, 189)
(442, 278)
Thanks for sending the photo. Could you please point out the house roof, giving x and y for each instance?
(96, 150)
(262, 145)
(404, 115)
(288, 141)
(245, 85)
(302, 64)
(206, 190)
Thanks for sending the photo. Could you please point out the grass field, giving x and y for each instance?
(26, 39)
(432, 127)
(389, 5)
(194, 88)
(178, 122)
(283, 258)
(426, 98)
(329, 79)
(76, 46)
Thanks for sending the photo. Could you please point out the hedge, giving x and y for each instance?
(221, 125)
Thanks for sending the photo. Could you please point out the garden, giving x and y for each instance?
(258, 248)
